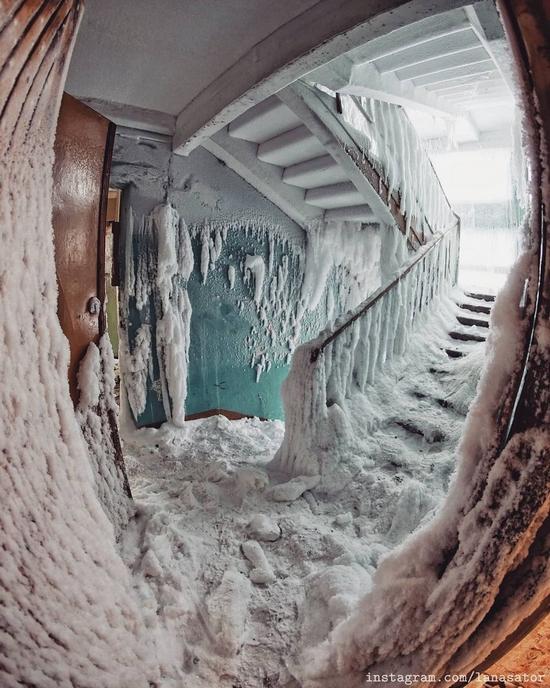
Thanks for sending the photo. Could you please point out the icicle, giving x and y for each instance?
(231, 276)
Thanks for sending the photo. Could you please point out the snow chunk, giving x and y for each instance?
(228, 611)
(261, 572)
(264, 528)
(291, 490)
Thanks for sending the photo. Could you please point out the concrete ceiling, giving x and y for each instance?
(160, 55)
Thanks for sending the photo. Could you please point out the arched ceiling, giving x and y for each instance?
(160, 55)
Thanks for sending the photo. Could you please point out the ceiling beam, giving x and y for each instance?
(343, 76)
(133, 117)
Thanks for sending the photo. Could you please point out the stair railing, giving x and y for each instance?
(388, 139)
(346, 357)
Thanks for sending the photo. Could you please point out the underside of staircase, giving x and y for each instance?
(295, 148)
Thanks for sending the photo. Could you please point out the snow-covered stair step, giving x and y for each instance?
(335, 196)
(471, 321)
(314, 173)
(467, 336)
(475, 307)
(480, 297)
(354, 213)
(294, 146)
(266, 120)
(455, 352)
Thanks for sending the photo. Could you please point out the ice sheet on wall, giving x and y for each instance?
(255, 293)
(156, 312)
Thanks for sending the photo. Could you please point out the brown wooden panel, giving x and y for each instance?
(83, 148)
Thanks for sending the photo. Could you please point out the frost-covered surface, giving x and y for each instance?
(336, 267)
(158, 262)
(389, 140)
(68, 614)
(286, 290)
(319, 392)
(97, 415)
(419, 614)
(242, 571)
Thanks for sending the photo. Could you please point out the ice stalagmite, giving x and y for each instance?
(175, 263)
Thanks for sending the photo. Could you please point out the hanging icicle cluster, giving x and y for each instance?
(393, 146)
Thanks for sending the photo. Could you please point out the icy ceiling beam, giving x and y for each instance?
(421, 33)
(309, 40)
(343, 76)
(240, 156)
(486, 23)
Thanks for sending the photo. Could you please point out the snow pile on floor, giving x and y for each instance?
(242, 571)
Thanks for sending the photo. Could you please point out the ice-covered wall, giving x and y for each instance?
(97, 415)
(258, 286)
(68, 612)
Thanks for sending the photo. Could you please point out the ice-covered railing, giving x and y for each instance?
(345, 358)
(387, 138)
(391, 157)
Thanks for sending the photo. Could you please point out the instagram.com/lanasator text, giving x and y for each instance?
(536, 679)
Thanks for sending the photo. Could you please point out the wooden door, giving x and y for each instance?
(83, 151)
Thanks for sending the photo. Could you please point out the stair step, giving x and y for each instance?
(334, 196)
(266, 120)
(472, 322)
(454, 353)
(475, 307)
(354, 213)
(467, 336)
(290, 148)
(311, 174)
(480, 297)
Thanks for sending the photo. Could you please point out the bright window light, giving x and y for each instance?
(480, 176)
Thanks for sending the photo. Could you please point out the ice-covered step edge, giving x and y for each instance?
(354, 213)
(311, 174)
(290, 148)
(268, 119)
(334, 196)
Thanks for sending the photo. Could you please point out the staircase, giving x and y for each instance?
(473, 319)
(299, 150)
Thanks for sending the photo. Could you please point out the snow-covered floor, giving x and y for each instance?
(227, 569)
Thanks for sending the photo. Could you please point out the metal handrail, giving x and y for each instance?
(382, 291)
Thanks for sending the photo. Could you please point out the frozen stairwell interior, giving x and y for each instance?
(333, 173)
(323, 158)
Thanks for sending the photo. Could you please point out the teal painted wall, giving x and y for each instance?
(231, 335)
(227, 337)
